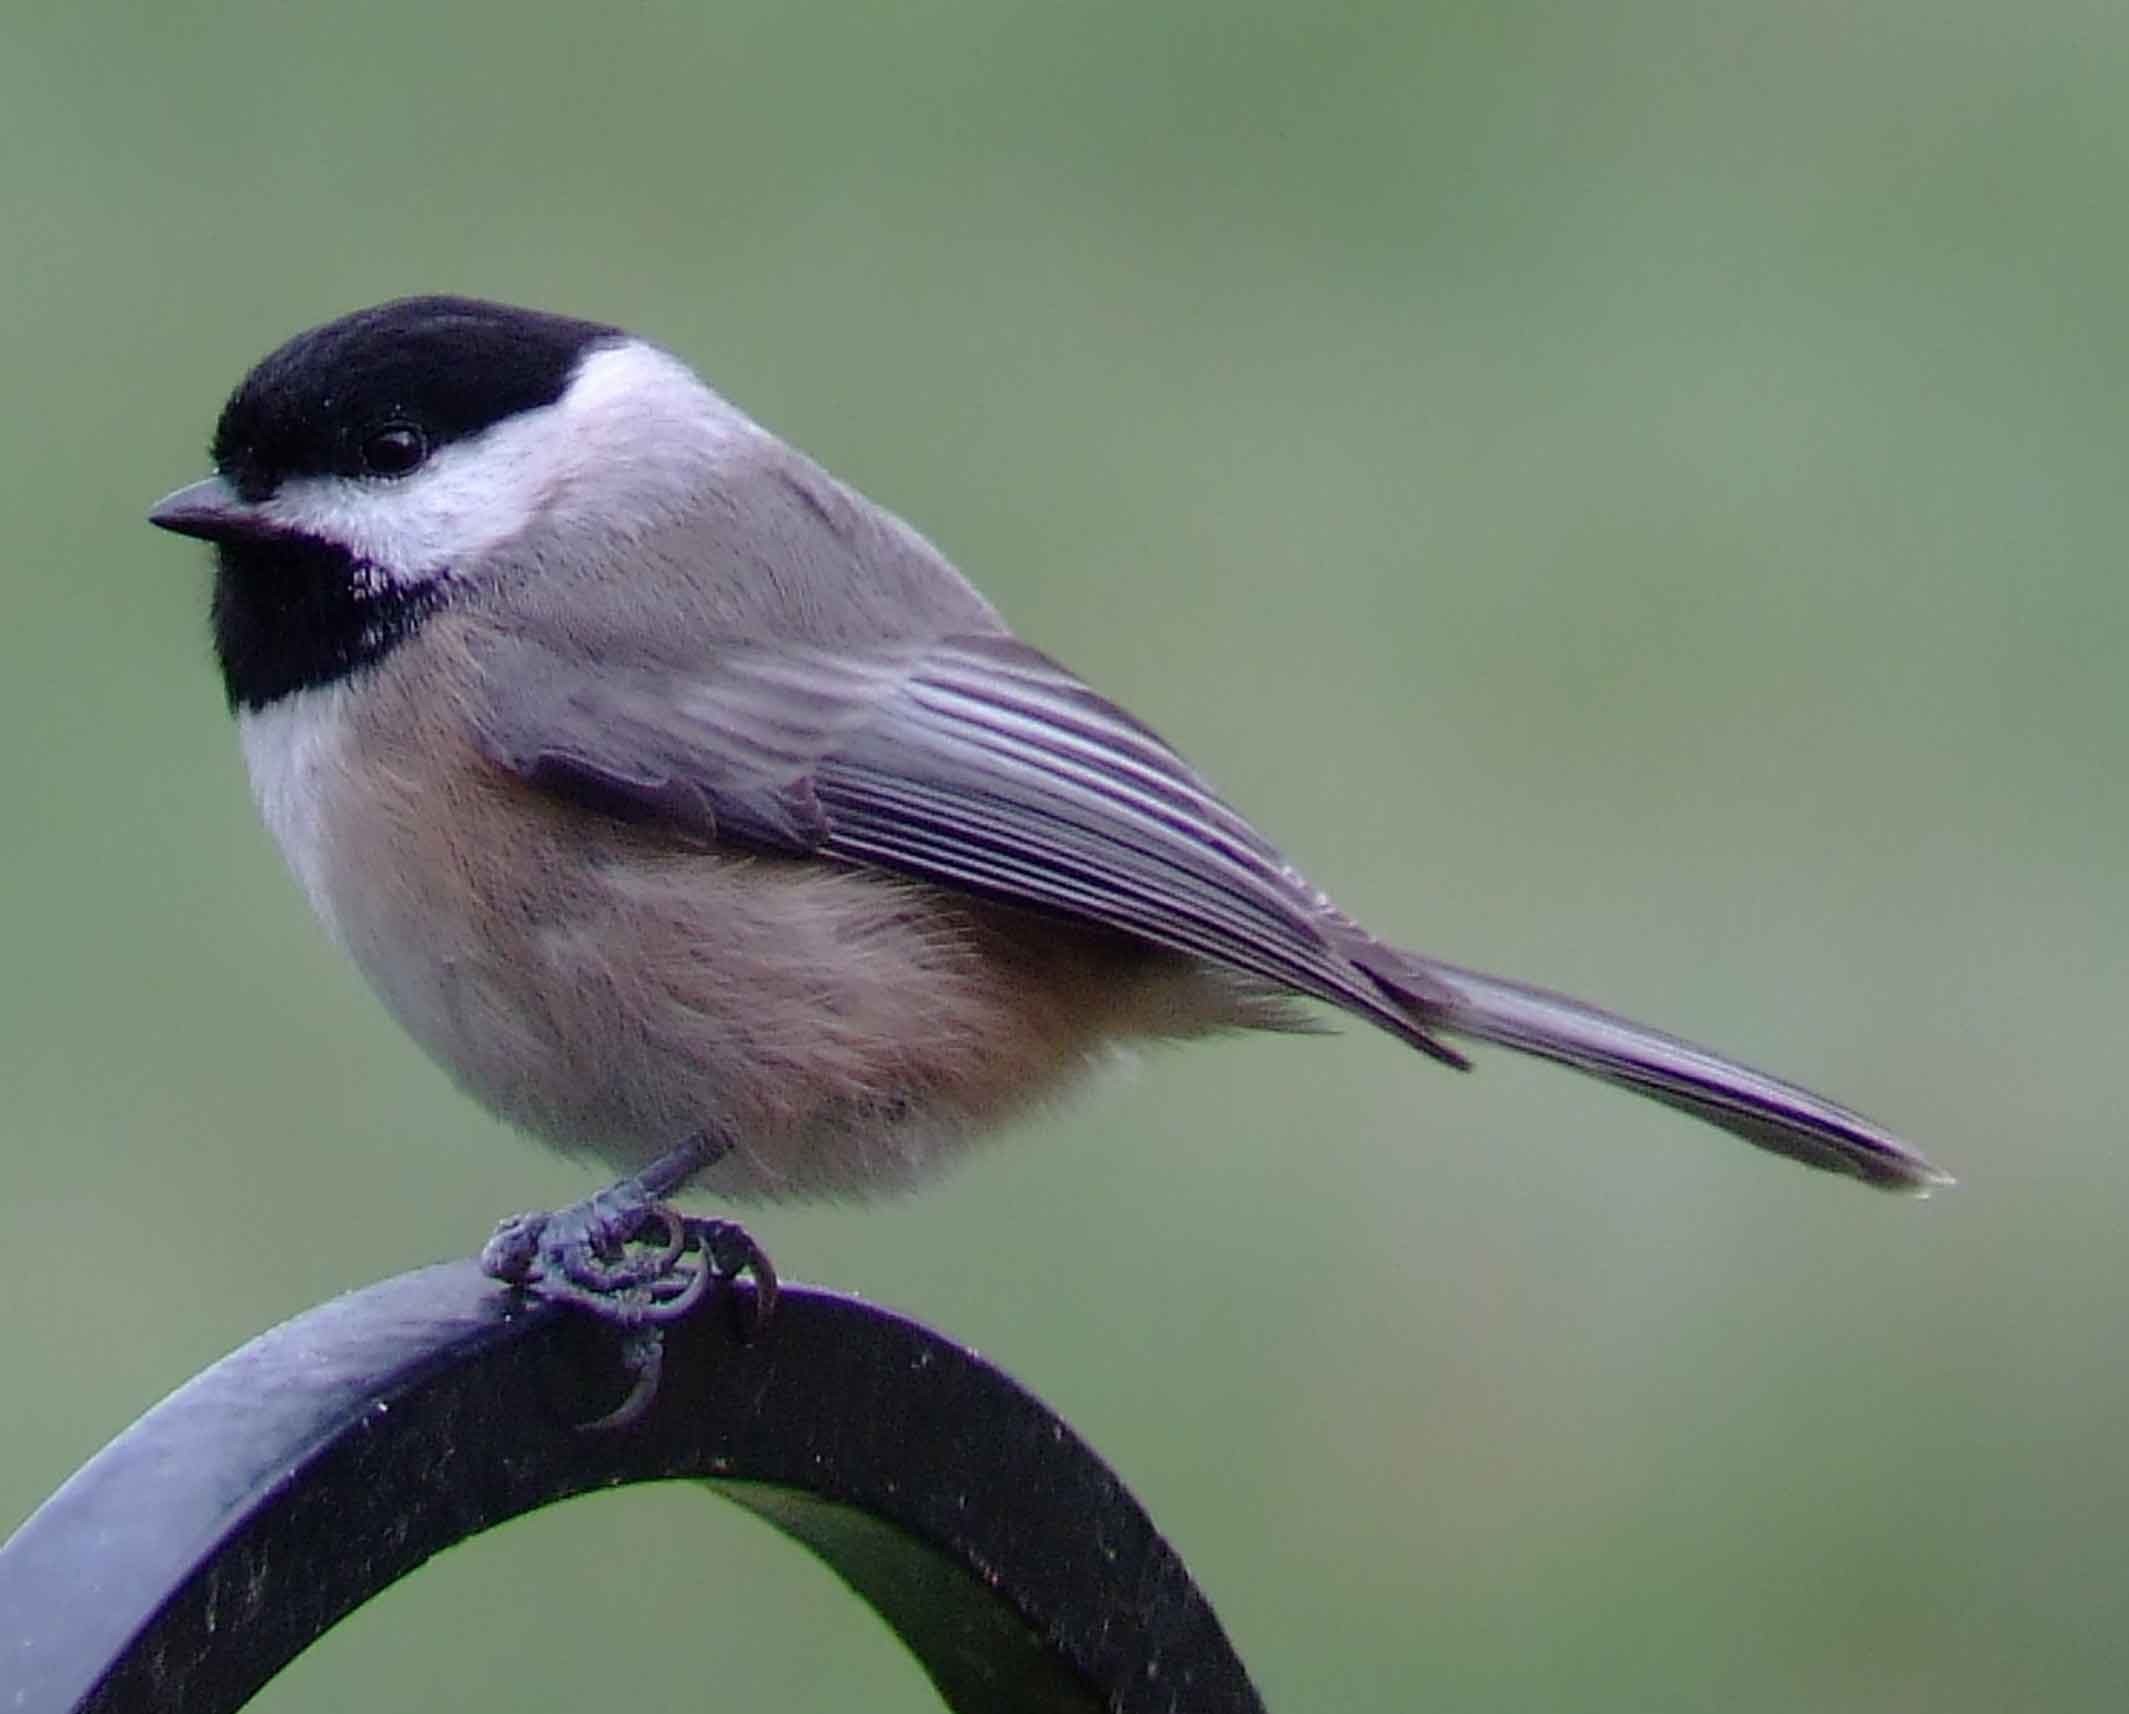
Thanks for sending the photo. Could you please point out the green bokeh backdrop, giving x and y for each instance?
(1632, 496)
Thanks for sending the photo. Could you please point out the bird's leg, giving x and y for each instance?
(620, 1254)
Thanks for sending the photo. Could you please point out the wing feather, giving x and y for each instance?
(978, 763)
(972, 762)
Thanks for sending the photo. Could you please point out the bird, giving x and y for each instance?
(698, 815)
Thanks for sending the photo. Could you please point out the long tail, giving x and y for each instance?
(1763, 1110)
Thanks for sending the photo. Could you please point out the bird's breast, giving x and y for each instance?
(297, 750)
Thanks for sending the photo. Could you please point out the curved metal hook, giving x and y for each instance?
(238, 1520)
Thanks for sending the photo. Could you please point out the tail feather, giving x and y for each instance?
(1763, 1110)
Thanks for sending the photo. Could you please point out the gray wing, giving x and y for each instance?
(972, 762)
(979, 764)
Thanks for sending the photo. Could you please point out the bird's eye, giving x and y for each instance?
(394, 449)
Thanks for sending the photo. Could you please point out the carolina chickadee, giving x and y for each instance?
(694, 811)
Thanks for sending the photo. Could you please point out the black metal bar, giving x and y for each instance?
(210, 1543)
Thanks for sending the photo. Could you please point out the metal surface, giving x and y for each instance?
(211, 1542)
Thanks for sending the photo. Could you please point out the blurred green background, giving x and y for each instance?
(1632, 496)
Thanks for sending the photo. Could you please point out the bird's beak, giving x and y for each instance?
(212, 511)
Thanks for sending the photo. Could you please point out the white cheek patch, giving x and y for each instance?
(464, 500)
(633, 434)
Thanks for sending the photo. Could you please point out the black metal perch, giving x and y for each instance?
(214, 1540)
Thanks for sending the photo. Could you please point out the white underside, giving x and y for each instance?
(293, 749)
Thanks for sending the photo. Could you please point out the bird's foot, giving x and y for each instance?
(628, 1258)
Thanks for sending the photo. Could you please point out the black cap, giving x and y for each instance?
(443, 367)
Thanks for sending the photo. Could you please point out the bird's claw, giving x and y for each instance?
(627, 1262)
